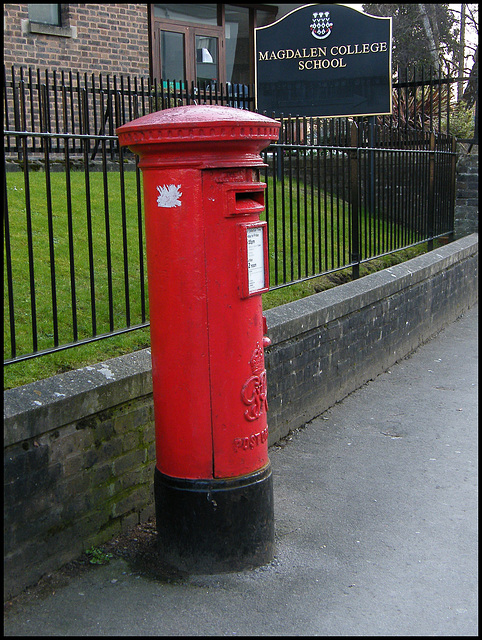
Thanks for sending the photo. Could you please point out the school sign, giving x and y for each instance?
(324, 60)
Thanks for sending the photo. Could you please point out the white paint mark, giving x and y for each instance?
(169, 196)
(107, 373)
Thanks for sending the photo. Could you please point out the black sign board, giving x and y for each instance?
(324, 60)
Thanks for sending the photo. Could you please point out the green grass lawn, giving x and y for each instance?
(97, 273)
(89, 285)
(310, 234)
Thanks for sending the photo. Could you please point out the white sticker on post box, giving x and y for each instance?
(255, 239)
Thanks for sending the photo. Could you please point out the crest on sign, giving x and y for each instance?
(321, 25)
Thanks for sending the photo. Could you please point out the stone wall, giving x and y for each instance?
(327, 345)
(78, 464)
(79, 447)
(467, 197)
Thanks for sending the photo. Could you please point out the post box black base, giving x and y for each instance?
(216, 525)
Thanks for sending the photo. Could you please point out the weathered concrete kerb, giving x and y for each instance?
(79, 447)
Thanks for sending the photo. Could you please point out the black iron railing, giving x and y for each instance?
(340, 191)
(352, 192)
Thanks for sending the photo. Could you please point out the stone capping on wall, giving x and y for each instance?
(35, 408)
(294, 318)
(32, 409)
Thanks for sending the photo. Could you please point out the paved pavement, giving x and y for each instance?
(376, 520)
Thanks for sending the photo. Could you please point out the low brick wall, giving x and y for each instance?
(79, 447)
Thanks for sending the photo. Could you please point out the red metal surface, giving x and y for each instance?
(207, 135)
(209, 381)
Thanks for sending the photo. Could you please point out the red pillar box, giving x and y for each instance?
(207, 268)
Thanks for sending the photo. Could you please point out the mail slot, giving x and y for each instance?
(247, 200)
(207, 260)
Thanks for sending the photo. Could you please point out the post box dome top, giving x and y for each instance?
(198, 122)
(213, 134)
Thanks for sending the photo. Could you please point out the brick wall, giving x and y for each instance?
(109, 38)
(79, 447)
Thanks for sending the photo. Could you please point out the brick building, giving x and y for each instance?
(191, 42)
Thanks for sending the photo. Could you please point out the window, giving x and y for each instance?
(172, 45)
(187, 54)
(188, 44)
(44, 14)
(207, 64)
(194, 13)
(205, 43)
(236, 31)
(264, 17)
(48, 20)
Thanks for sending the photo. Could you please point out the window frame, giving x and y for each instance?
(58, 24)
(29, 26)
(190, 32)
(155, 23)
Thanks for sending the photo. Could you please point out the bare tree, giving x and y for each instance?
(429, 32)
(460, 83)
(423, 34)
(468, 54)
(471, 90)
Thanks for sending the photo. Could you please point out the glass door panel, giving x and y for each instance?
(207, 60)
(186, 54)
(238, 52)
(172, 54)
